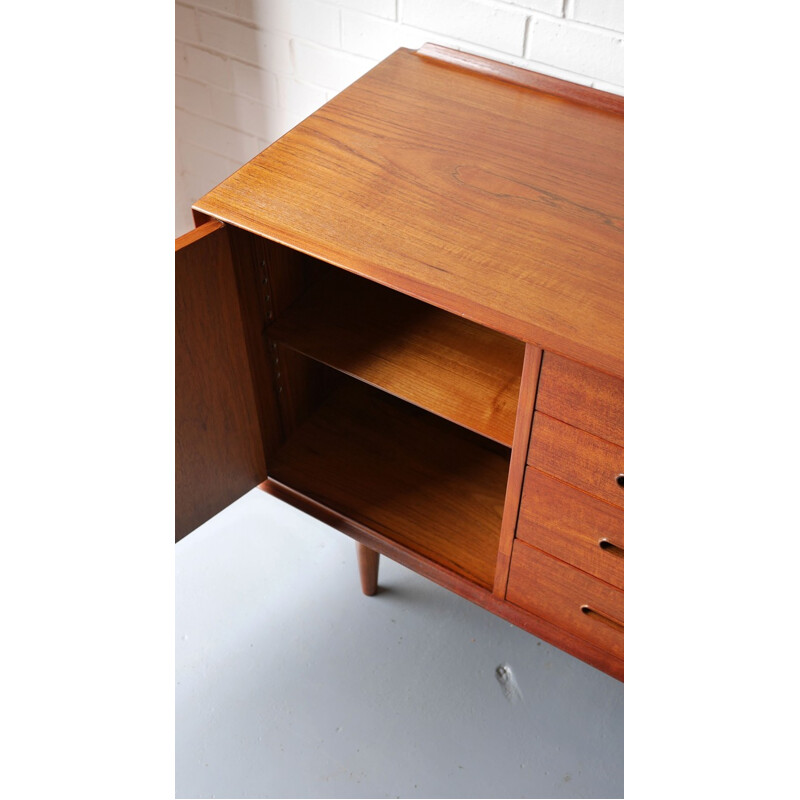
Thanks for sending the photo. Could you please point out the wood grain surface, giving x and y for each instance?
(368, 565)
(398, 470)
(582, 397)
(572, 525)
(443, 363)
(464, 587)
(558, 592)
(522, 77)
(516, 472)
(219, 453)
(496, 201)
(576, 457)
(250, 254)
(480, 189)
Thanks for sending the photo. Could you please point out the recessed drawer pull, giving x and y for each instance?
(611, 548)
(612, 623)
(619, 481)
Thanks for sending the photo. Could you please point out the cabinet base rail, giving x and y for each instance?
(382, 545)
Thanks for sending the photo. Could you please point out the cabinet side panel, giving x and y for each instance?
(199, 218)
(251, 257)
(219, 453)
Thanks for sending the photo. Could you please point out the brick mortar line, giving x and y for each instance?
(497, 4)
(567, 22)
(503, 5)
(213, 12)
(253, 26)
(608, 33)
(275, 74)
(256, 100)
(519, 60)
(238, 95)
(335, 4)
(216, 122)
(560, 72)
(499, 55)
(236, 162)
(207, 48)
(268, 106)
(213, 51)
(526, 10)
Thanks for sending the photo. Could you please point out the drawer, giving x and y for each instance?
(582, 397)
(577, 457)
(573, 526)
(567, 597)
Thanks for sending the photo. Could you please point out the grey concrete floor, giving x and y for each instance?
(291, 683)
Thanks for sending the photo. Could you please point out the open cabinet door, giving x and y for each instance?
(219, 450)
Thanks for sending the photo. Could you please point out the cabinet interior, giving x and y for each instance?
(433, 359)
(395, 414)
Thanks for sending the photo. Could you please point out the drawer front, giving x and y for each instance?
(577, 457)
(567, 597)
(573, 526)
(582, 397)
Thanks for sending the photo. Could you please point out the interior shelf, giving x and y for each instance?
(436, 360)
(406, 474)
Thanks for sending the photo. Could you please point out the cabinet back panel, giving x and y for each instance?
(459, 370)
(399, 470)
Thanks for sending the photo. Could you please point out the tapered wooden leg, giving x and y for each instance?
(368, 569)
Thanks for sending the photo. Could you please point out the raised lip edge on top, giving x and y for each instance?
(519, 76)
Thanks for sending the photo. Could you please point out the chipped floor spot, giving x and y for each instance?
(505, 677)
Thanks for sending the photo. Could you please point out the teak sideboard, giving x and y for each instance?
(405, 317)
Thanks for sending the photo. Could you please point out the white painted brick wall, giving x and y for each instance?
(305, 19)
(606, 14)
(233, 38)
(577, 48)
(380, 8)
(249, 70)
(331, 69)
(496, 25)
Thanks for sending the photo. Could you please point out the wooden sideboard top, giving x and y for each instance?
(490, 191)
